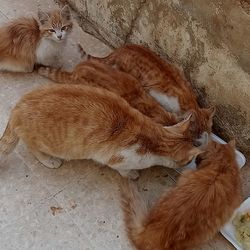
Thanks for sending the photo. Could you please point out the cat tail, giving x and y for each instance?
(8, 142)
(135, 210)
(108, 59)
(56, 75)
(85, 56)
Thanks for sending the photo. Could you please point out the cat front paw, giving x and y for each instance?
(43, 70)
(52, 162)
(131, 174)
(83, 53)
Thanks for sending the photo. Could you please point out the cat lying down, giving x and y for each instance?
(27, 41)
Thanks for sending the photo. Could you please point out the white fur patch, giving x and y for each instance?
(133, 160)
(48, 52)
(170, 103)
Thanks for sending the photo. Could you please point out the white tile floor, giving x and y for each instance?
(73, 207)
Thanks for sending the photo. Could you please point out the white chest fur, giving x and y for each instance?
(170, 103)
(48, 52)
(133, 160)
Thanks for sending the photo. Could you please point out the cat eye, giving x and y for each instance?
(51, 30)
(64, 28)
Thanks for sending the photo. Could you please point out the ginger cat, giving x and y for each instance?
(193, 211)
(80, 122)
(162, 81)
(26, 41)
(102, 75)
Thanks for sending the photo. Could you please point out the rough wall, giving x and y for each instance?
(209, 39)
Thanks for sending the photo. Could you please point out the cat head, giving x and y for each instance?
(183, 126)
(217, 152)
(201, 121)
(55, 25)
(184, 149)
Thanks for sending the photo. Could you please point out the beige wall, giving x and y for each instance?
(210, 39)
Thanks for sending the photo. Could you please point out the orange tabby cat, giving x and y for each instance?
(81, 122)
(26, 41)
(102, 75)
(162, 81)
(193, 211)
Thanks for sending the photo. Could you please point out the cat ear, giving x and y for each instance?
(210, 111)
(185, 116)
(65, 12)
(202, 141)
(42, 16)
(232, 143)
(183, 126)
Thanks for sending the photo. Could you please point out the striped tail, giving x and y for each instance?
(85, 56)
(8, 142)
(107, 60)
(56, 75)
(135, 210)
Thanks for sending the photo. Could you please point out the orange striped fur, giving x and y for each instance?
(65, 122)
(192, 212)
(163, 81)
(97, 74)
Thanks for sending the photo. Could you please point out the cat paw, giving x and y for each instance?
(83, 54)
(43, 70)
(131, 174)
(52, 162)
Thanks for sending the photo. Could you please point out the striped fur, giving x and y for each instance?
(101, 75)
(81, 122)
(192, 212)
(162, 79)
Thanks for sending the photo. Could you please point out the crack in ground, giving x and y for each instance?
(134, 20)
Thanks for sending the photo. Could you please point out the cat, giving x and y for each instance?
(102, 75)
(190, 213)
(162, 81)
(69, 122)
(27, 41)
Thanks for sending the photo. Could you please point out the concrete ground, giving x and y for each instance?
(77, 205)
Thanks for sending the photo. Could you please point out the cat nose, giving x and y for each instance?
(59, 37)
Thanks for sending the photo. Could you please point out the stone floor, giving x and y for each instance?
(75, 206)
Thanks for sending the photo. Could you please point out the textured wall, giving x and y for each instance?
(209, 39)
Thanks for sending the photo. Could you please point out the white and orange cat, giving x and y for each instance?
(101, 75)
(190, 213)
(69, 122)
(26, 41)
(162, 81)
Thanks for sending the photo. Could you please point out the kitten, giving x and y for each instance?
(81, 122)
(193, 211)
(26, 41)
(102, 75)
(162, 81)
